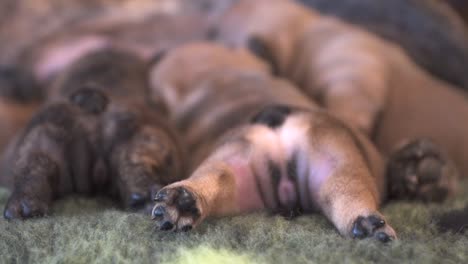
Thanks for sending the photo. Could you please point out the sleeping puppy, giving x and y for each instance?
(431, 33)
(256, 142)
(364, 81)
(69, 31)
(97, 134)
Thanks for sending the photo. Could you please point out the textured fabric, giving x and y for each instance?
(85, 230)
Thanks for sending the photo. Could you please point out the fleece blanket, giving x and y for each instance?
(94, 230)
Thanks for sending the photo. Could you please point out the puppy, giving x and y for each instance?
(430, 32)
(97, 134)
(366, 82)
(70, 31)
(256, 142)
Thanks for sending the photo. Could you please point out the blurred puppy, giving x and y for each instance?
(364, 81)
(430, 32)
(257, 142)
(69, 31)
(97, 134)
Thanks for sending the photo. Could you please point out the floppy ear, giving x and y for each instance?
(259, 48)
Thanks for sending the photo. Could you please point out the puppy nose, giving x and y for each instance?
(158, 211)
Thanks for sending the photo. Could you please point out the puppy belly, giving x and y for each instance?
(248, 197)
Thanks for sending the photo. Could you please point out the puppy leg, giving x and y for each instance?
(340, 180)
(226, 183)
(351, 204)
(39, 165)
(419, 170)
(209, 192)
(143, 157)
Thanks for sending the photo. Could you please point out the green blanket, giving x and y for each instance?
(85, 230)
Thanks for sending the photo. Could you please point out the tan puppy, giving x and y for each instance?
(96, 134)
(366, 82)
(257, 142)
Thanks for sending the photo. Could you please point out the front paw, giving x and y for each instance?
(22, 207)
(372, 226)
(176, 209)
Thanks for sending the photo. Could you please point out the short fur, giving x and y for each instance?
(428, 30)
(363, 80)
(257, 142)
(97, 134)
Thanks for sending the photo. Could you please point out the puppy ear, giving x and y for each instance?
(259, 48)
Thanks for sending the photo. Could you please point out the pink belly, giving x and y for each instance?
(248, 197)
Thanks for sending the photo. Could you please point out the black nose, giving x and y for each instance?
(158, 212)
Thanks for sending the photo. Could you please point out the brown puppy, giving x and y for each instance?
(69, 31)
(97, 134)
(257, 142)
(366, 82)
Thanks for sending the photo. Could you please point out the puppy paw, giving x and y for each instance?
(420, 171)
(372, 226)
(176, 209)
(24, 208)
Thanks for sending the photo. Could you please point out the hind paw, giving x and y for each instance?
(176, 209)
(372, 226)
(420, 171)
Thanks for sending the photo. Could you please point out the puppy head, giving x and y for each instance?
(188, 65)
(276, 24)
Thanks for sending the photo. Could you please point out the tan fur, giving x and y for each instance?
(70, 30)
(366, 82)
(346, 172)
